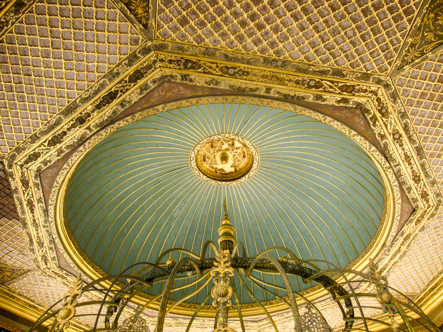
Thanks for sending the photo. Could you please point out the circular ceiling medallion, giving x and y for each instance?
(224, 159)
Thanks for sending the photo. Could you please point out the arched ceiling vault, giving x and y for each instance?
(70, 70)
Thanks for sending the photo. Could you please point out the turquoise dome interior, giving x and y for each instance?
(134, 194)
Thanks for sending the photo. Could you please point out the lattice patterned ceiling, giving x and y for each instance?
(422, 92)
(423, 260)
(361, 35)
(54, 53)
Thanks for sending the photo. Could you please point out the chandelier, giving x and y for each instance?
(216, 273)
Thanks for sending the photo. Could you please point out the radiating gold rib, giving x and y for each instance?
(245, 125)
(297, 160)
(259, 136)
(241, 120)
(71, 204)
(191, 196)
(133, 225)
(195, 127)
(207, 133)
(318, 228)
(272, 185)
(183, 177)
(194, 182)
(122, 192)
(331, 193)
(155, 155)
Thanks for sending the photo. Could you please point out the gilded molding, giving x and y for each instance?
(136, 12)
(8, 327)
(11, 11)
(8, 273)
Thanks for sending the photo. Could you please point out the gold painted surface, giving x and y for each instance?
(5, 5)
(375, 248)
(9, 273)
(359, 35)
(224, 158)
(53, 54)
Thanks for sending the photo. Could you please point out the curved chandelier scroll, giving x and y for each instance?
(348, 289)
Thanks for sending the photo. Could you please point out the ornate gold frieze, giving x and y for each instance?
(11, 11)
(8, 273)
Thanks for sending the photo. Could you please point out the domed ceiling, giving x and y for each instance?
(310, 188)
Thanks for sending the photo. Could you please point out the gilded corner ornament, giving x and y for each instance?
(427, 37)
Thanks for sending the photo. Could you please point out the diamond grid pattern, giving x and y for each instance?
(14, 249)
(7, 204)
(52, 54)
(423, 260)
(46, 291)
(361, 35)
(422, 92)
(40, 288)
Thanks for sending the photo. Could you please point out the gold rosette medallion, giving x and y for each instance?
(224, 159)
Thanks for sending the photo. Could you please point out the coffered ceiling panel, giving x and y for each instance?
(53, 54)
(362, 35)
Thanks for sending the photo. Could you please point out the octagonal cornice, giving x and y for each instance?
(152, 64)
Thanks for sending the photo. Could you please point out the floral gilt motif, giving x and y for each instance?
(429, 34)
(140, 9)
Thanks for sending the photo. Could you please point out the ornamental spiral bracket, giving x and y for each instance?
(116, 293)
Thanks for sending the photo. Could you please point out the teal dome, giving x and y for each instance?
(134, 194)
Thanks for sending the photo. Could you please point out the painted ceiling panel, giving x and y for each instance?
(134, 194)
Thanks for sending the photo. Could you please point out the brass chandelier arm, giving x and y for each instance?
(257, 282)
(237, 302)
(114, 282)
(276, 263)
(200, 307)
(120, 308)
(291, 254)
(190, 284)
(259, 303)
(238, 245)
(205, 247)
(190, 295)
(340, 271)
(190, 253)
(167, 290)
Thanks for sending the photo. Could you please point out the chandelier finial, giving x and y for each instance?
(226, 238)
